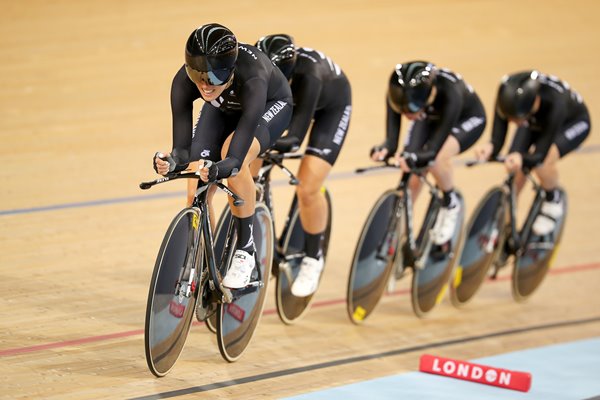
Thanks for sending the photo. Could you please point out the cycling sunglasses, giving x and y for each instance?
(216, 77)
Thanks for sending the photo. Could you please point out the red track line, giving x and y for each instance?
(324, 303)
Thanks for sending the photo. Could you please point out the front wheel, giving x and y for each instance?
(289, 307)
(430, 279)
(173, 292)
(534, 261)
(238, 320)
(374, 257)
(483, 243)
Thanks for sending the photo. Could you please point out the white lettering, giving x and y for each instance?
(449, 367)
(247, 50)
(476, 372)
(311, 58)
(446, 74)
(436, 365)
(504, 378)
(471, 123)
(463, 370)
(274, 110)
(343, 126)
(491, 375)
(576, 130)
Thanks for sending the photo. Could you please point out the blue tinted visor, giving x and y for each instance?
(215, 77)
(414, 107)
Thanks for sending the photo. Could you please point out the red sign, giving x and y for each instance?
(467, 371)
(176, 309)
(236, 311)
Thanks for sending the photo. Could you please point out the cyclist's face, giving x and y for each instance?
(518, 121)
(210, 92)
(416, 116)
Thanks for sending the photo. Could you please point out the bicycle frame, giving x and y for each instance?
(263, 183)
(518, 239)
(200, 202)
(419, 247)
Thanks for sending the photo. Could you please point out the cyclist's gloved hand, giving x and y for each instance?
(163, 163)
(379, 152)
(287, 144)
(418, 159)
(208, 171)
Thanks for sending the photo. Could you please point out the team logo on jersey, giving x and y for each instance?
(343, 126)
(205, 153)
(247, 50)
(274, 110)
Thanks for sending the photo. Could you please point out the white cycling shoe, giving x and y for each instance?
(307, 281)
(545, 222)
(445, 224)
(238, 275)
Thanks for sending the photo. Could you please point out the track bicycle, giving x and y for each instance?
(388, 246)
(187, 277)
(288, 252)
(493, 236)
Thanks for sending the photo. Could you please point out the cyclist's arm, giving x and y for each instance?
(499, 129)
(450, 111)
(556, 118)
(253, 98)
(393, 123)
(306, 90)
(183, 94)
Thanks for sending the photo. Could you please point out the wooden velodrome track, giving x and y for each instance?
(84, 103)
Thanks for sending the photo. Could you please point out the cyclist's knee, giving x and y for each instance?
(308, 192)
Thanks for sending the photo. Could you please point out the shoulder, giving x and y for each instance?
(553, 84)
(252, 63)
(447, 76)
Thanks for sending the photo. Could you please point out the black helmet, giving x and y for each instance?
(210, 54)
(281, 50)
(411, 85)
(517, 94)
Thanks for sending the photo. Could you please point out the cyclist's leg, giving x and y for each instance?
(547, 172)
(442, 169)
(326, 140)
(462, 136)
(466, 132)
(242, 265)
(569, 138)
(417, 136)
(313, 207)
(267, 132)
(208, 137)
(522, 142)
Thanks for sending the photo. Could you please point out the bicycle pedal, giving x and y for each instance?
(227, 296)
(287, 270)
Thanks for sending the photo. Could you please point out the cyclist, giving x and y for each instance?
(551, 120)
(322, 95)
(447, 118)
(247, 106)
